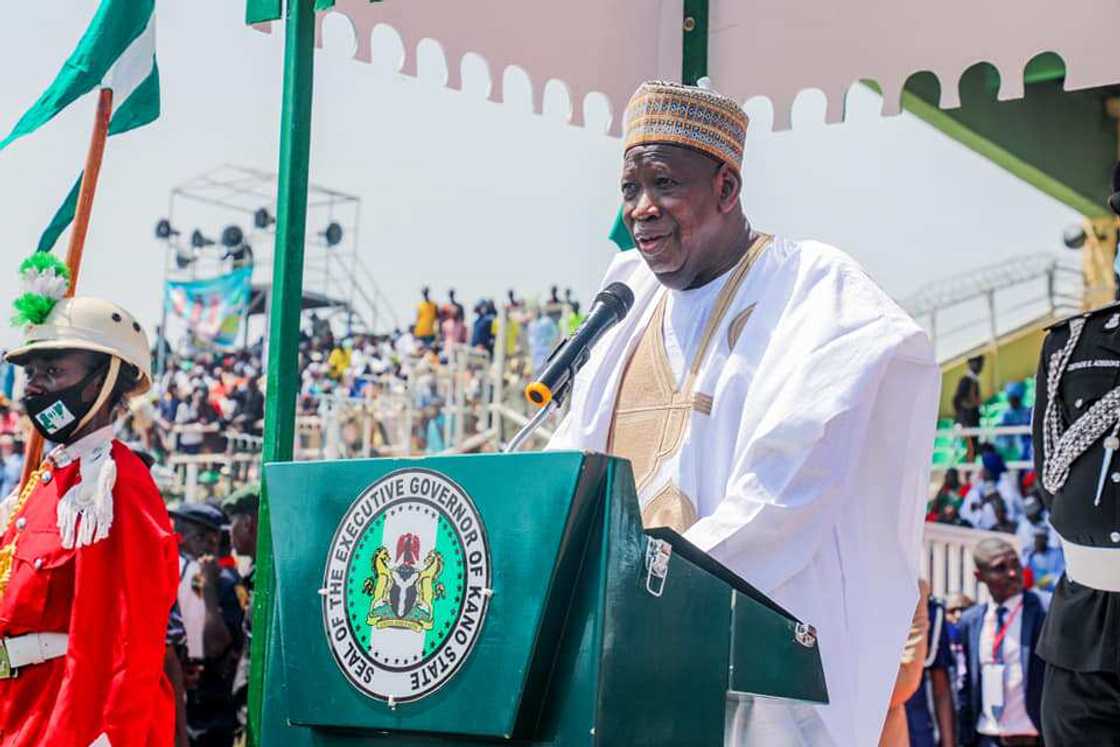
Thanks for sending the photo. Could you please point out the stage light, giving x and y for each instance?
(232, 236)
(198, 241)
(241, 254)
(1074, 237)
(164, 229)
(333, 234)
(262, 219)
(183, 258)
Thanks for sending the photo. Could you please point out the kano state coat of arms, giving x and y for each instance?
(407, 585)
(403, 592)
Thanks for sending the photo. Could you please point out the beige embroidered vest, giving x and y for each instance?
(651, 415)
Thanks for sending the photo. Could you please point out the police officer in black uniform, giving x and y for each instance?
(1076, 432)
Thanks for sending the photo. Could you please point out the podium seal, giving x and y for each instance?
(407, 585)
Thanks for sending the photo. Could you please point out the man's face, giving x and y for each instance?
(953, 614)
(196, 540)
(1000, 510)
(671, 204)
(1041, 542)
(243, 534)
(53, 371)
(1003, 575)
(976, 365)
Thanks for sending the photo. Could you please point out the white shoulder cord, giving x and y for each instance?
(1060, 448)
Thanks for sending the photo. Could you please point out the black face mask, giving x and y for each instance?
(56, 415)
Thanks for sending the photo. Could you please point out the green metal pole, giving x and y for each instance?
(283, 338)
(694, 66)
(694, 51)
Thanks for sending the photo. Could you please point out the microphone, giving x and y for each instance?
(608, 309)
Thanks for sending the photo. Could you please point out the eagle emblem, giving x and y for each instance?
(403, 591)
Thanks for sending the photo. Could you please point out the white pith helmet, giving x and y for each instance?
(85, 323)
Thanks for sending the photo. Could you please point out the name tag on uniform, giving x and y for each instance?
(1100, 363)
(991, 686)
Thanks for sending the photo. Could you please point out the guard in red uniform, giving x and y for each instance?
(88, 564)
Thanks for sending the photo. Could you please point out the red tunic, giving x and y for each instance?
(113, 598)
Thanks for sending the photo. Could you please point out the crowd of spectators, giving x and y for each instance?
(1002, 500)
(14, 430)
(995, 497)
(12, 440)
(202, 397)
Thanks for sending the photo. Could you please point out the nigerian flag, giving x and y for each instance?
(117, 51)
(620, 234)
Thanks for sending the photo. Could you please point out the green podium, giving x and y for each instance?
(506, 598)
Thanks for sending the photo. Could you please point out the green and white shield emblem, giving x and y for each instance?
(407, 585)
(56, 417)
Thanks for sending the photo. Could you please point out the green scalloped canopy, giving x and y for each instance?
(1061, 142)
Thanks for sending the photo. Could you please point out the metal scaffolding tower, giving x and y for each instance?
(225, 218)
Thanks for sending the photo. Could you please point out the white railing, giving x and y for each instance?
(237, 464)
(947, 559)
(986, 433)
(989, 434)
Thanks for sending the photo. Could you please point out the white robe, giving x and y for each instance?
(810, 475)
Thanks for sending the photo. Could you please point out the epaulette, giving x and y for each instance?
(1084, 315)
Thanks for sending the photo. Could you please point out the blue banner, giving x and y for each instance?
(212, 308)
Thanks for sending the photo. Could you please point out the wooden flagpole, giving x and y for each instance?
(33, 453)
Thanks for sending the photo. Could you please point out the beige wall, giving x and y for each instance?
(1013, 358)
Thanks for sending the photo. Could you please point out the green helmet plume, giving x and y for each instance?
(45, 280)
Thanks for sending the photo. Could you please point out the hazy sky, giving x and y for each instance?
(457, 191)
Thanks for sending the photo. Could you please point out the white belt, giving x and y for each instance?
(26, 650)
(1095, 567)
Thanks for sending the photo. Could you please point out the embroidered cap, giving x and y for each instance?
(203, 514)
(698, 118)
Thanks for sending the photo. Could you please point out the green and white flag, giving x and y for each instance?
(117, 51)
(620, 234)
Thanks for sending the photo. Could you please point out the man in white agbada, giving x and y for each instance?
(777, 407)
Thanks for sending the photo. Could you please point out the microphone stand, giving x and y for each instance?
(523, 434)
